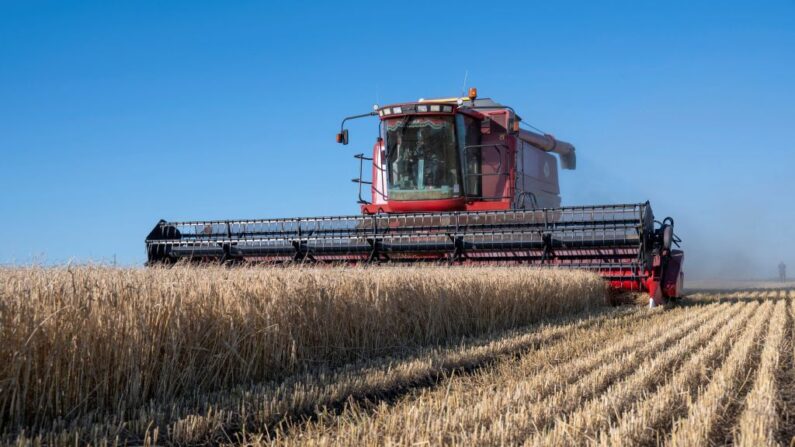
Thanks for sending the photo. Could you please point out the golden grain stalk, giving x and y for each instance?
(77, 341)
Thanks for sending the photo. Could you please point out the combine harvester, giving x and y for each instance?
(452, 181)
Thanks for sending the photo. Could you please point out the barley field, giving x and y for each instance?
(391, 356)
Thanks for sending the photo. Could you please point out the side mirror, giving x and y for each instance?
(342, 137)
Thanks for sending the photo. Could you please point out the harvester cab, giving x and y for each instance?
(455, 181)
(458, 154)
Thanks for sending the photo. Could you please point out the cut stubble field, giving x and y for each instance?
(400, 356)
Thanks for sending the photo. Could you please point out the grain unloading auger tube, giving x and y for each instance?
(458, 181)
(620, 242)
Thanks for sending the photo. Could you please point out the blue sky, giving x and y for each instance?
(116, 114)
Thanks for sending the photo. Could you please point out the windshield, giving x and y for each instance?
(422, 158)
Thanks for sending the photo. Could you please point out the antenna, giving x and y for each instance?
(464, 87)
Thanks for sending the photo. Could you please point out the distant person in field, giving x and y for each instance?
(782, 271)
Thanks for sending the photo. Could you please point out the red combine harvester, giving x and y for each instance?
(452, 181)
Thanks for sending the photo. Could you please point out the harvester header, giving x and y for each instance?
(457, 181)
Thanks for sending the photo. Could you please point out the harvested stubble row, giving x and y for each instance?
(606, 382)
(706, 420)
(649, 421)
(507, 404)
(76, 343)
(597, 415)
